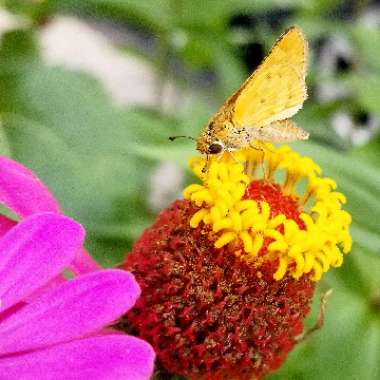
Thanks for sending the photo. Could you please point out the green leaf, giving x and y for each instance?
(178, 153)
(366, 86)
(4, 144)
(370, 152)
(367, 42)
(18, 45)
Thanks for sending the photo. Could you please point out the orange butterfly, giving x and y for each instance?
(260, 109)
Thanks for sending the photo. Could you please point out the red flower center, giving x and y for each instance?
(279, 203)
(207, 313)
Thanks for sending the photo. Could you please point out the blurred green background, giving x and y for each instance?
(91, 90)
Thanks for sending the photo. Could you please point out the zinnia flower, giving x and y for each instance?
(228, 273)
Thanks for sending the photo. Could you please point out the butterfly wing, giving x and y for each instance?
(277, 89)
(282, 131)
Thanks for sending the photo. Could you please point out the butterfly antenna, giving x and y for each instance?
(172, 138)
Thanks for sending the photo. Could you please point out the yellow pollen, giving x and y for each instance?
(248, 224)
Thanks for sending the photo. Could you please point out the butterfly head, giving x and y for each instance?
(215, 147)
(211, 141)
(210, 145)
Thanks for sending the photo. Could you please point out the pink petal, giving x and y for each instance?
(114, 357)
(34, 252)
(5, 224)
(83, 263)
(22, 192)
(72, 310)
(46, 287)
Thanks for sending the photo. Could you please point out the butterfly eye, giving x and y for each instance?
(215, 148)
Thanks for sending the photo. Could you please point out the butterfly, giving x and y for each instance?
(261, 108)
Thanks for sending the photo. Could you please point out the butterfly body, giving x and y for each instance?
(260, 109)
(230, 137)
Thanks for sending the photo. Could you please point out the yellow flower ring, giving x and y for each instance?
(248, 225)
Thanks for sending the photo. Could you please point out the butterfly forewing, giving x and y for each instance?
(277, 89)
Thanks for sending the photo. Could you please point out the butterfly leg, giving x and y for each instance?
(262, 151)
(220, 156)
(205, 168)
(230, 152)
(320, 319)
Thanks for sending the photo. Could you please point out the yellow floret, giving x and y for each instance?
(249, 224)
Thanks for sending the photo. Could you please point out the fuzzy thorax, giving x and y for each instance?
(311, 246)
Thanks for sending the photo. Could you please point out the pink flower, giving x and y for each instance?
(23, 193)
(58, 334)
(56, 329)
